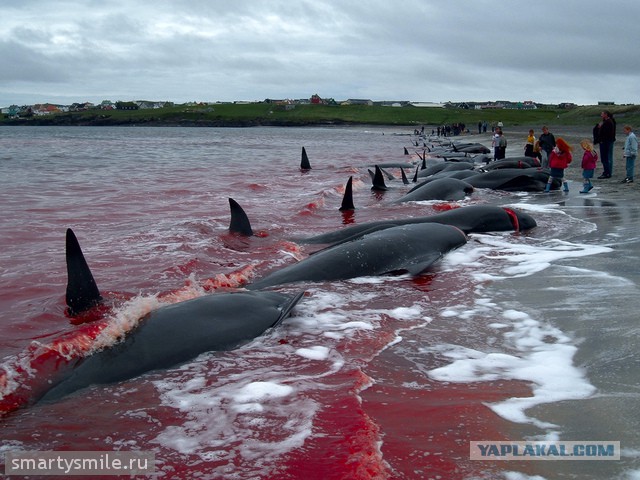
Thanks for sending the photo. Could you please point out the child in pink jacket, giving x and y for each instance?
(589, 162)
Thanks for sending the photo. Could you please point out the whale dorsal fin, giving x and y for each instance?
(304, 161)
(347, 199)
(82, 291)
(239, 221)
(387, 174)
(405, 180)
(378, 180)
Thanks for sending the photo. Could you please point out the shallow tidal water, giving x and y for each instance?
(525, 336)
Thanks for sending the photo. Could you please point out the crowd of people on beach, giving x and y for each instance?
(555, 154)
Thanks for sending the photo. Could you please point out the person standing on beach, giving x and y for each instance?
(606, 137)
(589, 163)
(559, 159)
(630, 153)
(528, 147)
(500, 145)
(547, 144)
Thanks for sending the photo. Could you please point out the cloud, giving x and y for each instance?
(426, 50)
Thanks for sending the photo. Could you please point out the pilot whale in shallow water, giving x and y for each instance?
(470, 219)
(82, 291)
(177, 333)
(513, 180)
(169, 335)
(398, 249)
(446, 189)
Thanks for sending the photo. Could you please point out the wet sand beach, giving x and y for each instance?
(596, 300)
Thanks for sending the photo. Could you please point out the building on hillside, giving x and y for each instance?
(392, 103)
(45, 109)
(427, 104)
(145, 104)
(358, 101)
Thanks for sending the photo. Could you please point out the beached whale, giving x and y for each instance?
(459, 174)
(473, 147)
(513, 162)
(471, 219)
(407, 248)
(177, 333)
(169, 335)
(513, 180)
(445, 166)
(393, 165)
(447, 189)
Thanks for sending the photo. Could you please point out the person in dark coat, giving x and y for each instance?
(606, 138)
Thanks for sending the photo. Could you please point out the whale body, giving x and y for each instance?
(177, 333)
(470, 219)
(407, 248)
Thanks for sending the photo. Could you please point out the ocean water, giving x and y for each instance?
(514, 336)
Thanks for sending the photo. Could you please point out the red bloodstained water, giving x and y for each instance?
(150, 209)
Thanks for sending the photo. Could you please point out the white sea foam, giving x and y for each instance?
(632, 475)
(531, 351)
(511, 260)
(521, 476)
(526, 348)
(317, 352)
(252, 405)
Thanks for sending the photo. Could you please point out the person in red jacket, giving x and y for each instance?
(559, 160)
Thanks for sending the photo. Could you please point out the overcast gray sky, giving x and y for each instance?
(549, 51)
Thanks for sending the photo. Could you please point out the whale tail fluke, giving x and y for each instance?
(239, 221)
(82, 290)
(347, 199)
(304, 161)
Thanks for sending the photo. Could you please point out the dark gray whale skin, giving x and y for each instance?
(446, 189)
(406, 248)
(178, 333)
(513, 180)
(471, 219)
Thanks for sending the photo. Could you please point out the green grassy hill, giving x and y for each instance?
(277, 115)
